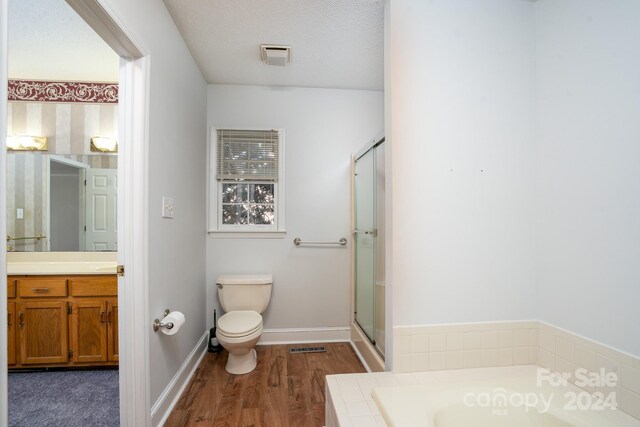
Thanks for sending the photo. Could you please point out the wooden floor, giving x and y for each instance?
(285, 389)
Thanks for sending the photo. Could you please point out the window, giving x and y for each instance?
(247, 192)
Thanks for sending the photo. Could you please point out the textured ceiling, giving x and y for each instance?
(49, 41)
(336, 43)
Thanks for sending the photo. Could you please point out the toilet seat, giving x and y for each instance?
(236, 324)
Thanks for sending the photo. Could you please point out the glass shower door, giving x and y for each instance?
(365, 242)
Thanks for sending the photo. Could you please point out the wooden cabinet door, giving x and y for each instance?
(43, 332)
(112, 320)
(11, 332)
(89, 331)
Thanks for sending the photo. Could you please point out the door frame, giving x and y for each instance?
(81, 208)
(132, 210)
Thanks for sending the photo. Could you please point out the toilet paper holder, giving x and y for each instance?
(157, 324)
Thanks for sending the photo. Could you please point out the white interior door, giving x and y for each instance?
(101, 231)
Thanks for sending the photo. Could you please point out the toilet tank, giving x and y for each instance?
(244, 291)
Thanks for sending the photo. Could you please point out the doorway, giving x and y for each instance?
(132, 289)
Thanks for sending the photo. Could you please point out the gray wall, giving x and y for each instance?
(65, 211)
(323, 129)
(176, 168)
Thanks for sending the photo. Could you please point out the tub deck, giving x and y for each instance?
(387, 399)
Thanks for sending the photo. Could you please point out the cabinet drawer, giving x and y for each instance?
(42, 287)
(11, 288)
(94, 286)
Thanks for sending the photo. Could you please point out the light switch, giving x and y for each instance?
(167, 207)
(19, 213)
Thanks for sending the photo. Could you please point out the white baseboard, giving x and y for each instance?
(304, 335)
(161, 410)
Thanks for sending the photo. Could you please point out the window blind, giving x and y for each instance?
(247, 154)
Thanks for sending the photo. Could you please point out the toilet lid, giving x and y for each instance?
(239, 323)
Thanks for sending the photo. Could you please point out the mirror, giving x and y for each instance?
(61, 202)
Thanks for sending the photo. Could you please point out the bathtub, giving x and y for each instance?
(523, 397)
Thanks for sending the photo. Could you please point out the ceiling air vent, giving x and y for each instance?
(275, 54)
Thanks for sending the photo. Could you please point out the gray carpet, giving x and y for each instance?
(64, 398)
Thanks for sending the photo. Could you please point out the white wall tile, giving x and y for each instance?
(489, 357)
(490, 339)
(472, 340)
(472, 358)
(584, 358)
(564, 349)
(505, 339)
(547, 341)
(437, 361)
(505, 357)
(404, 344)
(455, 360)
(521, 355)
(419, 362)
(521, 337)
(455, 341)
(437, 342)
(630, 378)
(564, 366)
(629, 402)
(546, 359)
(419, 343)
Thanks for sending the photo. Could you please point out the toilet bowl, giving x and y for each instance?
(243, 297)
(239, 332)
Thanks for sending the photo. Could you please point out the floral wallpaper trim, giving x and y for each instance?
(45, 91)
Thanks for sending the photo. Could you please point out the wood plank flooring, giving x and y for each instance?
(285, 389)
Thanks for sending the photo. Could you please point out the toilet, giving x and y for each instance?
(243, 297)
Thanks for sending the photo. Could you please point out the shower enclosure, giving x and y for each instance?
(368, 229)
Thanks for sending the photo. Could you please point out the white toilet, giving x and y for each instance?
(243, 298)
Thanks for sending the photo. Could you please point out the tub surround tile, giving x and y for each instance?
(455, 359)
(521, 355)
(489, 339)
(420, 343)
(521, 337)
(505, 357)
(505, 338)
(629, 402)
(630, 378)
(455, 341)
(472, 359)
(585, 358)
(564, 348)
(493, 344)
(472, 340)
(437, 342)
(489, 357)
(437, 361)
(547, 341)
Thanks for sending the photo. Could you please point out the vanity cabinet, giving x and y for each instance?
(63, 321)
(11, 321)
(42, 332)
(11, 332)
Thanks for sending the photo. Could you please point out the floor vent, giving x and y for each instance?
(307, 350)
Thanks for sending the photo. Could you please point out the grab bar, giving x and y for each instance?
(298, 242)
(38, 237)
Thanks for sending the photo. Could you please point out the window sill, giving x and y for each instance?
(271, 234)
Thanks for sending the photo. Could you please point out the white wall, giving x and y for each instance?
(323, 128)
(176, 168)
(588, 103)
(463, 160)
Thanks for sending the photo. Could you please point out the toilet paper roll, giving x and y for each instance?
(174, 318)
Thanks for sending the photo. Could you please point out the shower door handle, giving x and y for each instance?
(373, 232)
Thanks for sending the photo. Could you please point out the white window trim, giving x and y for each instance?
(245, 231)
